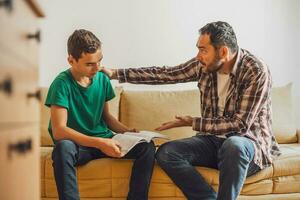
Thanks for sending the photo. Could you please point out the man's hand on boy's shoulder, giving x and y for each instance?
(109, 147)
(111, 73)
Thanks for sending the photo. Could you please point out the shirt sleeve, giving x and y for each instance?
(185, 72)
(110, 94)
(253, 98)
(57, 94)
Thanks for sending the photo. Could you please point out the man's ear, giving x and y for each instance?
(223, 52)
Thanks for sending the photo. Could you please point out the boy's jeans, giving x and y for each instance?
(233, 156)
(67, 155)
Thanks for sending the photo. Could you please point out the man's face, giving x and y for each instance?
(88, 64)
(208, 55)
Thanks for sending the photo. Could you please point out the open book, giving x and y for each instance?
(128, 140)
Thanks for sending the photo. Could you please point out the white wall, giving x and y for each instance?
(138, 33)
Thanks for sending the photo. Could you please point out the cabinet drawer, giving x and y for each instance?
(19, 163)
(19, 97)
(15, 46)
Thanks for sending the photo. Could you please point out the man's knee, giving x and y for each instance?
(164, 153)
(237, 147)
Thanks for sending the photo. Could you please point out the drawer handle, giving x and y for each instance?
(36, 95)
(7, 4)
(6, 85)
(36, 36)
(20, 147)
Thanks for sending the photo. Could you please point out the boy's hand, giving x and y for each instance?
(110, 147)
(111, 73)
(133, 130)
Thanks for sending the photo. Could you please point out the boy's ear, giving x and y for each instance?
(71, 60)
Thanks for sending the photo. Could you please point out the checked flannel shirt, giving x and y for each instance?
(247, 109)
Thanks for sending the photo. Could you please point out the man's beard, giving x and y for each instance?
(216, 65)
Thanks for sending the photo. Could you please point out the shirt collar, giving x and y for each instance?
(235, 66)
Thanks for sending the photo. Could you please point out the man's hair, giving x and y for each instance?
(221, 33)
(82, 41)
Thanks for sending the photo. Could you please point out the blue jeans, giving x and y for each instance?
(233, 156)
(67, 155)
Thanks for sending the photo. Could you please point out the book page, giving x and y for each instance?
(147, 135)
(127, 142)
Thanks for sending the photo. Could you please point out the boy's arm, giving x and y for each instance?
(112, 123)
(60, 131)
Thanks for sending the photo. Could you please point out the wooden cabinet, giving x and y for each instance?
(19, 100)
(19, 162)
(21, 104)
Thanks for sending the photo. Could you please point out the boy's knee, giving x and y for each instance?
(149, 147)
(146, 148)
(63, 148)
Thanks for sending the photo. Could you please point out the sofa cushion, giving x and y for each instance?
(284, 125)
(147, 110)
(45, 114)
(94, 178)
(45, 152)
(110, 177)
(137, 111)
(44, 117)
(288, 162)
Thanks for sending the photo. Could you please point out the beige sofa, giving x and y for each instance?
(108, 178)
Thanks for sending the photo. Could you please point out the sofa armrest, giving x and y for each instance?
(298, 135)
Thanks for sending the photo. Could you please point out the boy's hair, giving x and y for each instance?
(221, 33)
(82, 41)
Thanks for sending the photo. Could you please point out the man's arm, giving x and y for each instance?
(251, 102)
(113, 123)
(186, 72)
(252, 99)
(60, 131)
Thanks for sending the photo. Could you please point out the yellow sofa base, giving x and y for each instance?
(292, 196)
(109, 178)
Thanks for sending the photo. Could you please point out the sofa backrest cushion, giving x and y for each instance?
(147, 110)
(284, 125)
(44, 119)
(45, 114)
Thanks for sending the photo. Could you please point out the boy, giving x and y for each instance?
(81, 124)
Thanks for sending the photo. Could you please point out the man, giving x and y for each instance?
(81, 123)
(234, 132)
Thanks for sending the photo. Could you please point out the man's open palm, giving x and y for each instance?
(178, 122)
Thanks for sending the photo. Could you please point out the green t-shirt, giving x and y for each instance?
(84, 105)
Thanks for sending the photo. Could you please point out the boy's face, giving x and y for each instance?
(88, 64)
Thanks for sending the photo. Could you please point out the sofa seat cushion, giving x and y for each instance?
(45, 152)
(110, 177)
(94, 178)
(288, 163)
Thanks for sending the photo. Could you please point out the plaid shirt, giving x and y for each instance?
(247, 109)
